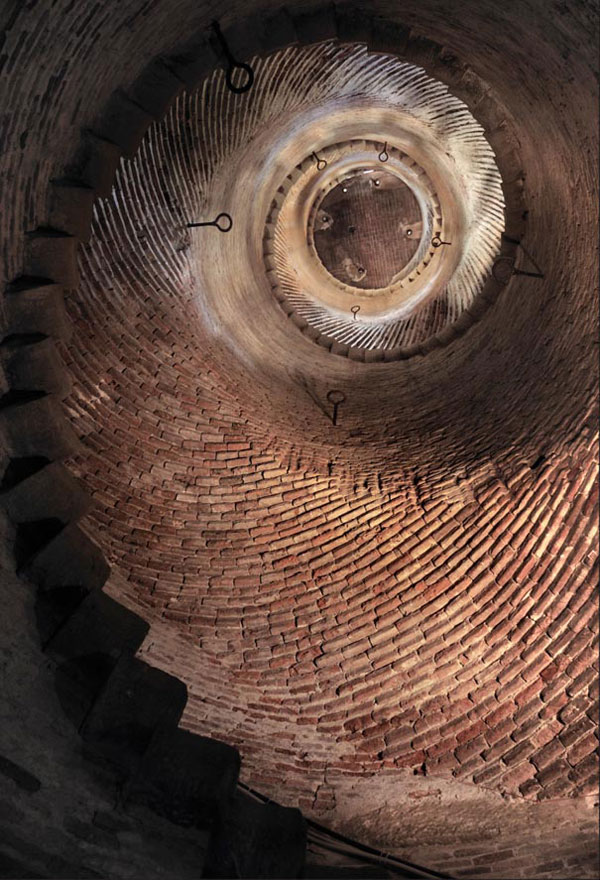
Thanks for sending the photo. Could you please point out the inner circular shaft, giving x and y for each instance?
(368, 228)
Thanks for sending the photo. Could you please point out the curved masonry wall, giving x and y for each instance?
(402, 616)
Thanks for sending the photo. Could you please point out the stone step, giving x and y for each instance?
(94, 633)
(156, 88)
(35, 305)
(53, 607)
(34, 366)
(52, 254)
(34, 425)
(52, 554)
(123, 123)
(49, 491)
(366, 872)
(194, 62)
(315, 24)
(71, 208)
(255, 839)
(135, 699)
(99, 625)
(95, 164)
(186, 778)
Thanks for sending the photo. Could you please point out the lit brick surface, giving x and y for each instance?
(348, 616)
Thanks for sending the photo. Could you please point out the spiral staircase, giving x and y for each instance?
(340, 97)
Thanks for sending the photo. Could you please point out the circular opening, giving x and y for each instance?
(367, 228)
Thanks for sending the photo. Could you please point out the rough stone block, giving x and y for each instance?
(474, 90)
(515, 214)
(96, 163)
(35, 307)
(245, 37)
(134, 701)
(316, 25)
(23, 778)
(124, 123)
(156, 88)
(388, 36)
(4, 383)
(422, 51)
(278, 30)
(354, 24)
(69, 558)
(99, 625)
(53, 607)
(258, 840)
(71, 207)
(35, 366)
(37, 427)
(508, 155)
(329, 872)
(51, 491)
(52, 255)
(185, 778)
(194, 63)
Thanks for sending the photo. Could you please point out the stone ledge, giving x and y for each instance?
(186, 778)
(52, 254)
(36, 306)
(69, 558)
(38, 428)
(35, 366)
(50, 492)
(134, 701)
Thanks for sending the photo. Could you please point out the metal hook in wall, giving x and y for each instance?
(436, 241)
(335, 397)
(321, 163)
(232, 64)
(504, 268)
(222, 228)
(504, 260)
(384, 155)
(355, 310)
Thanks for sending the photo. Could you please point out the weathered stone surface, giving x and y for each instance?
(194, 62)
(135, 699)
(354, 23)
(184, 777)
(388, 36)
(37, 427)
(329, 872)
(99, 625)
(95, 163)
(51, 491)
(245, 37)
(71, 206)
(123, 123)
(278, 30)
(422, 51)
(258, 840)
(70, 558)
(156, 88)
(52, 255)
(22, 777)
(316, 24)
(35, 366)
(53, 607)
(32, 307)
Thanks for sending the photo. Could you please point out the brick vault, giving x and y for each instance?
(299, 514)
